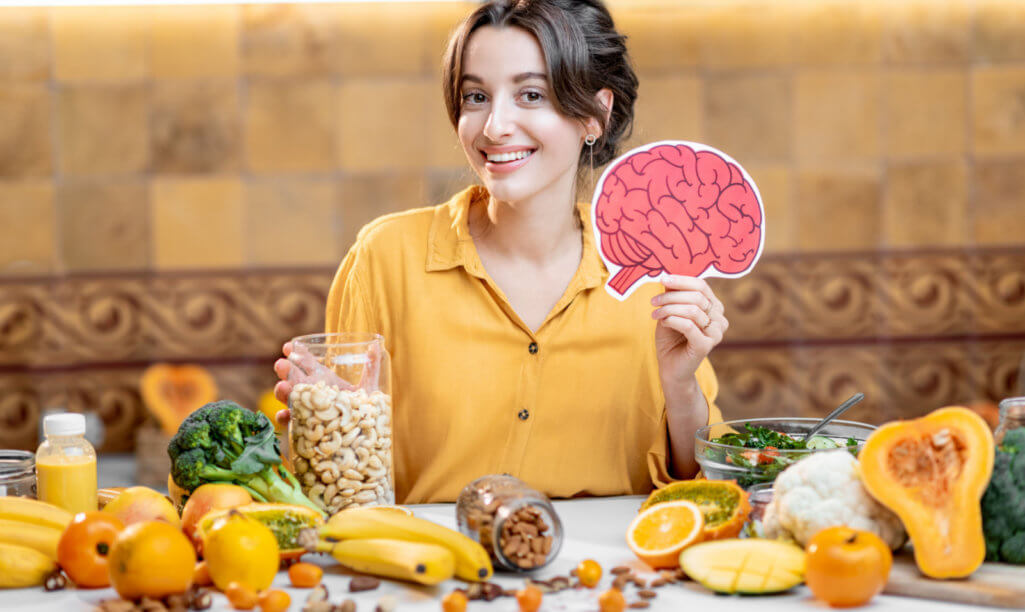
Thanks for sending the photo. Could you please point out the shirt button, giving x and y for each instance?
(532, 348)
(524, 414)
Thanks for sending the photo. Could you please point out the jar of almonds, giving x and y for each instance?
(516, 524)
(340, 433)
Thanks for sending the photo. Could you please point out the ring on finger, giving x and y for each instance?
(706, 325)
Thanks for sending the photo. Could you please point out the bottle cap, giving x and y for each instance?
(65, 424)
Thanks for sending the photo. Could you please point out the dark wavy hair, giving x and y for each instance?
(583, 53)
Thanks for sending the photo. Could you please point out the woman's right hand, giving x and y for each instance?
(282, 367)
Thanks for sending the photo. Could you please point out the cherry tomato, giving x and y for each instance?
(83, 547)
(454, 602)
(847, 567)
(240, 596)
(589, 573)
(611, 600)
(305, 575)
(274, 600)
(529, 598)
(201, 575)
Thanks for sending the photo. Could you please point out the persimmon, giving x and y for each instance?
(529, 598)
(240, 596)
(589, 573)
(612, 600)
(847, 567)
(305, 575)
(84, 547)
(201, 575)
(274, 600)
(454, 602)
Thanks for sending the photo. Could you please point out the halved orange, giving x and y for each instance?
(724, 505)
(658, 535)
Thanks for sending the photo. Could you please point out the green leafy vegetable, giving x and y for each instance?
(223, 442)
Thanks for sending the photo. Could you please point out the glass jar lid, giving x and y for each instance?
(16, 464)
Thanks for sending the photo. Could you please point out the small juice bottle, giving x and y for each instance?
(66, 464)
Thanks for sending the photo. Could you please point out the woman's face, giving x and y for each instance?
(516, 141)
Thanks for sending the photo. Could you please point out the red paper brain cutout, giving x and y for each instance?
(673, 209)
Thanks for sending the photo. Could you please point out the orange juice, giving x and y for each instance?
(67, 481)
(66, 464)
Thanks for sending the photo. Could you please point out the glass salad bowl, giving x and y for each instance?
(761, 461)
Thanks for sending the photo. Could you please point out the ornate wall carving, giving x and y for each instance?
(914, 331)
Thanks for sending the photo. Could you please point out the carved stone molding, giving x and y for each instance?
(913, 330)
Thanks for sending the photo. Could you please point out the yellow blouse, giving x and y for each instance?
(573, 409)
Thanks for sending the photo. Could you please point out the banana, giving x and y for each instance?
(33, 511)
(411, 561)
(43, 539)
(472, 561)
(21, 566)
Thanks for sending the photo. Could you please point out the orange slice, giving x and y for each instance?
(658, 535)
(724, 505)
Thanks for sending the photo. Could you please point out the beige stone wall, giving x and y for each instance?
(163, 171)
(254, 136)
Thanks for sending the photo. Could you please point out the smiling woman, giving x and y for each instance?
(508, 357)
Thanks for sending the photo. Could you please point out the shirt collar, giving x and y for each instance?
(449, 244)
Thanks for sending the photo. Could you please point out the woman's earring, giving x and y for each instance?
(589, 140)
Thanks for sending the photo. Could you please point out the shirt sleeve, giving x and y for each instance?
(348, 305)
(658, 454)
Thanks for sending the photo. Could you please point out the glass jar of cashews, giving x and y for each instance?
(340, 432)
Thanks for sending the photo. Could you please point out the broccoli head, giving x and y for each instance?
(1003, 521)
(223, 442)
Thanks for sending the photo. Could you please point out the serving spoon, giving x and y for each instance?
(842, 408)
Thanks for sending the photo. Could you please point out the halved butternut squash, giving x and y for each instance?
(172, 392)
(932, 472)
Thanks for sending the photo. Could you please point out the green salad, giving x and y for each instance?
(758, 450)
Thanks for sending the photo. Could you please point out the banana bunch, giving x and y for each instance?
(29, 533)
(386, 543)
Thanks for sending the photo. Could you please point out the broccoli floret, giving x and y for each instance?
(1014, 441)
(223, 442)
(1013, 549)
(1003, 521)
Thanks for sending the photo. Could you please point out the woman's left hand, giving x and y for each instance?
(691, 323)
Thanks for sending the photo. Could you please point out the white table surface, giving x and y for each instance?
(594, 529)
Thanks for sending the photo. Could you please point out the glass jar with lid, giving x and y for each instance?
(516, 524)
(17, 473)
(1012, 416)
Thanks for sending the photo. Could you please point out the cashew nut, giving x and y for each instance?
(305, 448)
(330, 446)
(350, 437)
(364, 497)
(348, 460)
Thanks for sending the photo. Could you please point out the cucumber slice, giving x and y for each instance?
(820, 442)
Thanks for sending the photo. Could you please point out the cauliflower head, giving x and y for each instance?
(825, 490)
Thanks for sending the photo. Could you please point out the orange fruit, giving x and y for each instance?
(724, 505)
(151, 559)
(83, 548)
(243, 550)
(847, 567)
(658, 535)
